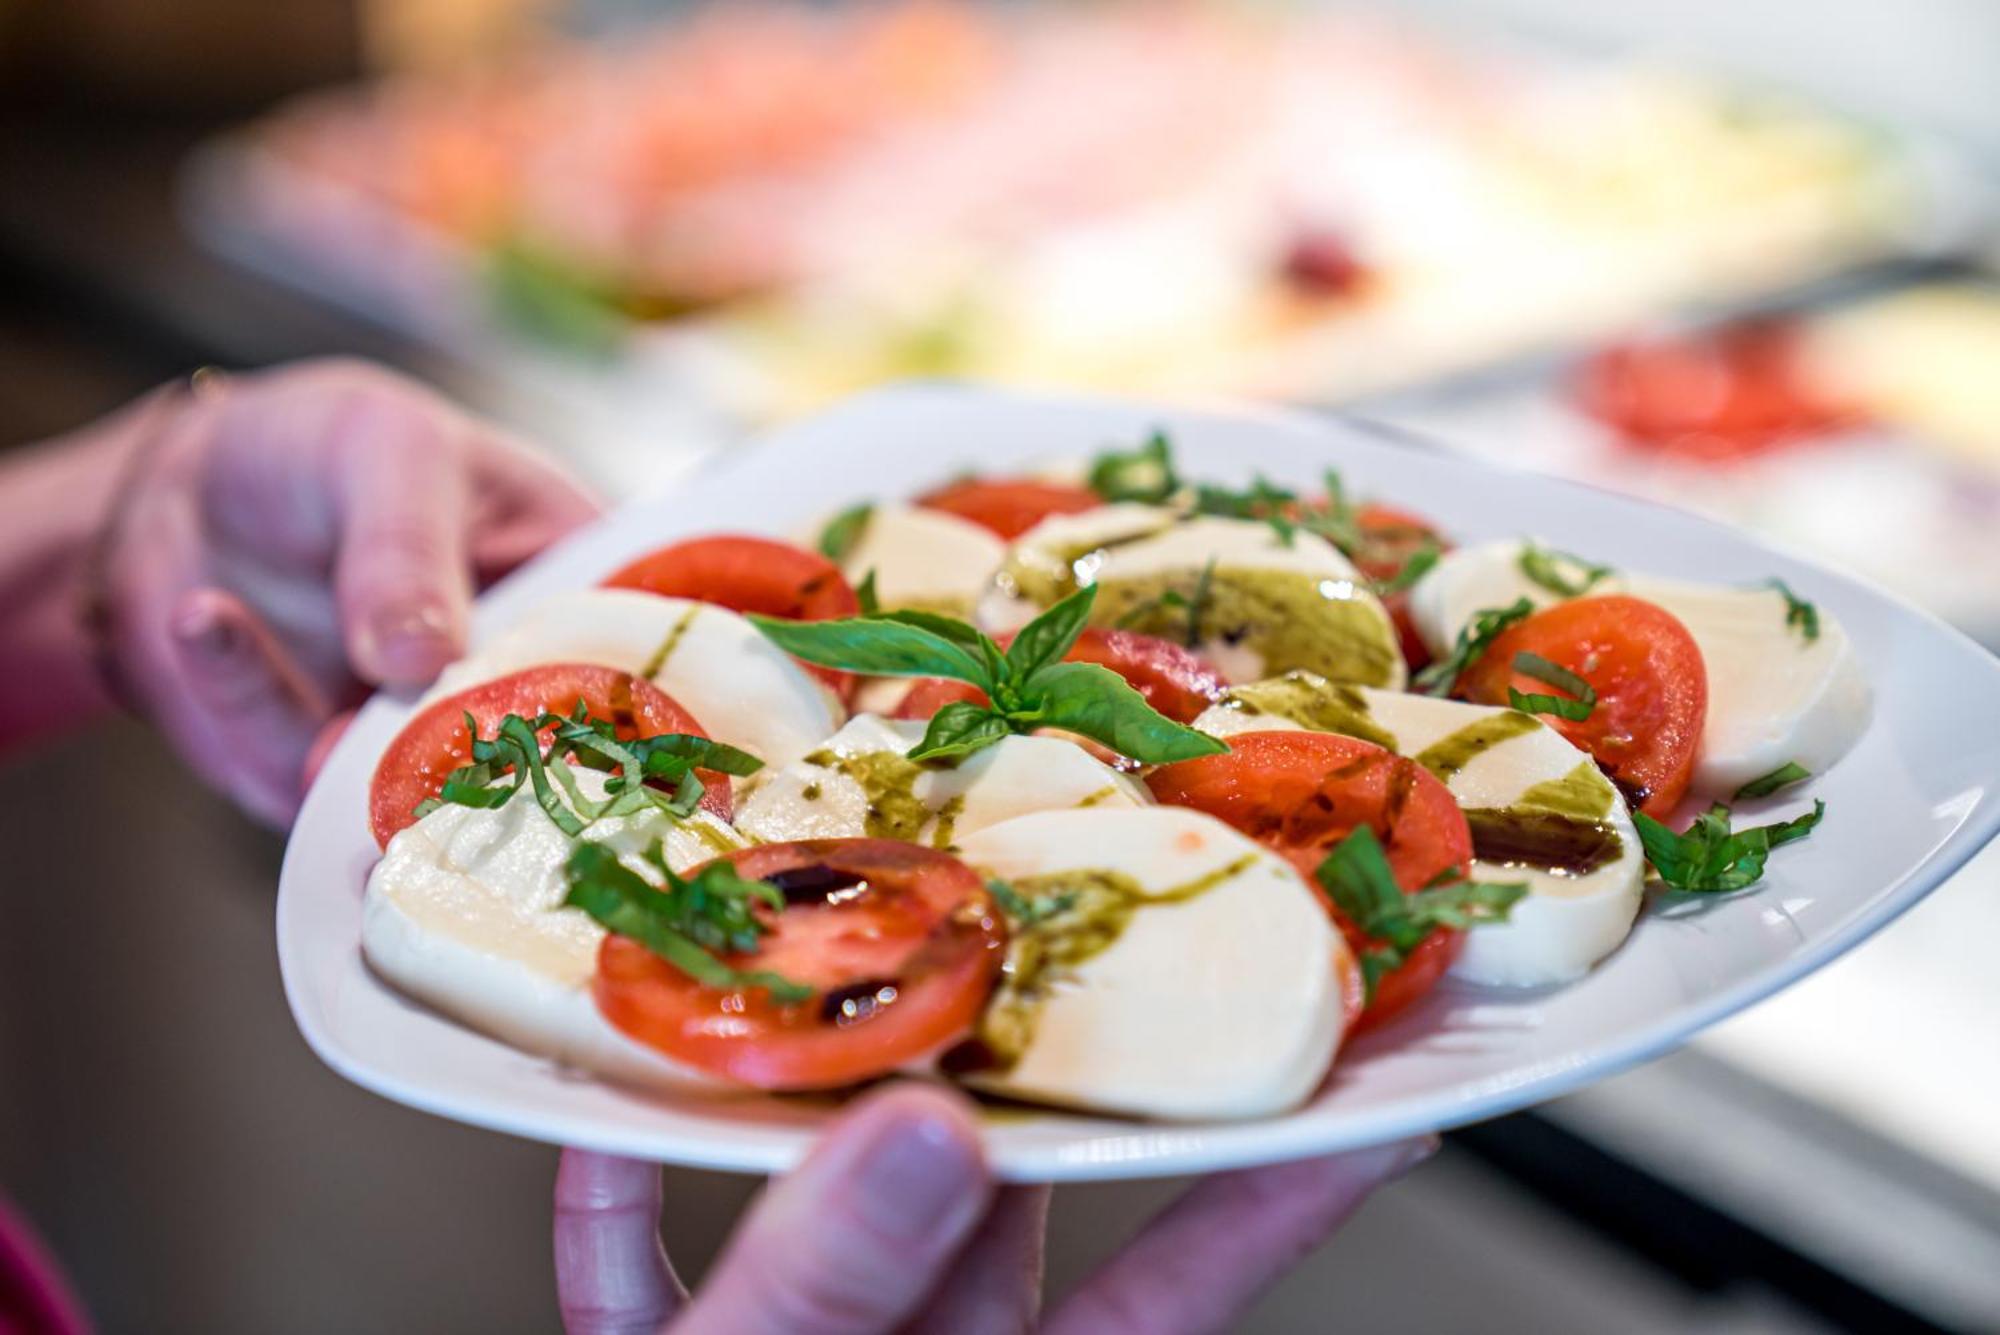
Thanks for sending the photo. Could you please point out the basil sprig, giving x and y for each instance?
(1552, 570)
(1784, 776)
(1575, 706)
(513, 758)
(1709, 857)
(1356, 877)
(686, 921)
(1413, 569)
(1145, 475)
(1194, 604)
(844, 530)
(1028, 685)
(1800, 615)
(1474, 637)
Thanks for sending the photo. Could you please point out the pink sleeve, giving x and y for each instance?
(34, 1299)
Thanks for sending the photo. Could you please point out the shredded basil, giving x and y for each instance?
(1575, 707)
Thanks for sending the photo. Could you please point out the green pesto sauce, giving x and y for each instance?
(716, 837)
(1583, 793)
(947, 821)
(1291, 620)
(1104, 794)
(810, 792)
(1311, 702)
(1448, 755)
(890, 783)
(1547, 840)
(658, 662)
(1095, 908)
(1047, 577)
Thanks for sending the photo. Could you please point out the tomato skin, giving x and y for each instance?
(1394, 536)
(749, 574)
(920, 920)
(1009, 506)
(1175, 681)
(1300, 793)
(1651, 684)
(434, 743)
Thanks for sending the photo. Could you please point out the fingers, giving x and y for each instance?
(322, 746)
(246, 714)
(1203, 1261)
(401, 575)
(995, 1285)
(522, 504)
(852, 1241)
(612, 1274)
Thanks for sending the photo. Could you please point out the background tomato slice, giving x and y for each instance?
(1300, 793)
(1651, 684)
(1394, 536)
(901, 944)
(1176, 681)
(749, 574)
(1009, 506)
(434, 743)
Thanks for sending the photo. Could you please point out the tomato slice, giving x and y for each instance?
(900, 944)
(1393, 537)
(1009, 506)
(1651, 684)
(746, 574)
(1300, 793)
(434, 743)
(1176, 681)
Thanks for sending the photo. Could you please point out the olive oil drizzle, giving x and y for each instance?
(1448, 755)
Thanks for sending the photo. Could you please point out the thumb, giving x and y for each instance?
(853, 1240)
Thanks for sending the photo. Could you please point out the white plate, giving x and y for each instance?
(1918, 796)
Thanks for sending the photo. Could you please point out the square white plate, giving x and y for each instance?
(1916, 798)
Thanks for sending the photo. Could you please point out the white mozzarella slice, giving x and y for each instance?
(1570, 920)
(1773, 695)
(858, 783)
(924, 558)
(742, 688)
(1267, 605)
(464, 912)
(1219, 998)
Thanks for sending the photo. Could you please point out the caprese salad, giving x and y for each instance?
(1107, 789)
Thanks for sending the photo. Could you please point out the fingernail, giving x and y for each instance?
(919, 1171)
(413, 640)
(1414, 1153)
(200, 627)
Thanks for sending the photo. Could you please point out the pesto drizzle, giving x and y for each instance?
(658, 662)
(1448, 755)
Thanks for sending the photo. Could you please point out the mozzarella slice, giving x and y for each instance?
(924, 559)
(1191, 976)
(464, 912)
(858, 783)
(1773, 695)
(1493, 761)
(1264, 605)
(742, 688)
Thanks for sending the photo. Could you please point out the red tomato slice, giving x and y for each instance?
(1300, 793)
(901, 945)
(1394, 536)
(434, 743)
(1174, 680)
(1651, 684)
(1009, 506)
(746, 574)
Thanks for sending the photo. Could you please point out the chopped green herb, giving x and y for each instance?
(1264, 500)
(1784, 776)
(1710, 858)
(1575, 707)
(1356, 877)
(1197, 605)
(1028, 684)
(1024, 912)
(686, 921)
(1562, 573)
(1145, 474)
(1415, 568)
(864, 593)
(844, 530)
(1800, 615)
(1473, 638)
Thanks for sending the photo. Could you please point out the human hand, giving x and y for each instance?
(893, 1223)
(295, 536)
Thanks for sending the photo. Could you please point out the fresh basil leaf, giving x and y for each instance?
(1196, 605)
(1145, 474)
(1575, 707)
(844, 530)
(864, 593)
(1784, 776)
(1711, 858)
(1553, 570)
(1264, 500)
(1356, 876)
(674, 922)
(1420, 564)
(1800, 615)
(959, 729)
(878, 646)
(1098, 703)
(1473, 638)
(668, 755)
(1049, 636)
(1024, 912)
